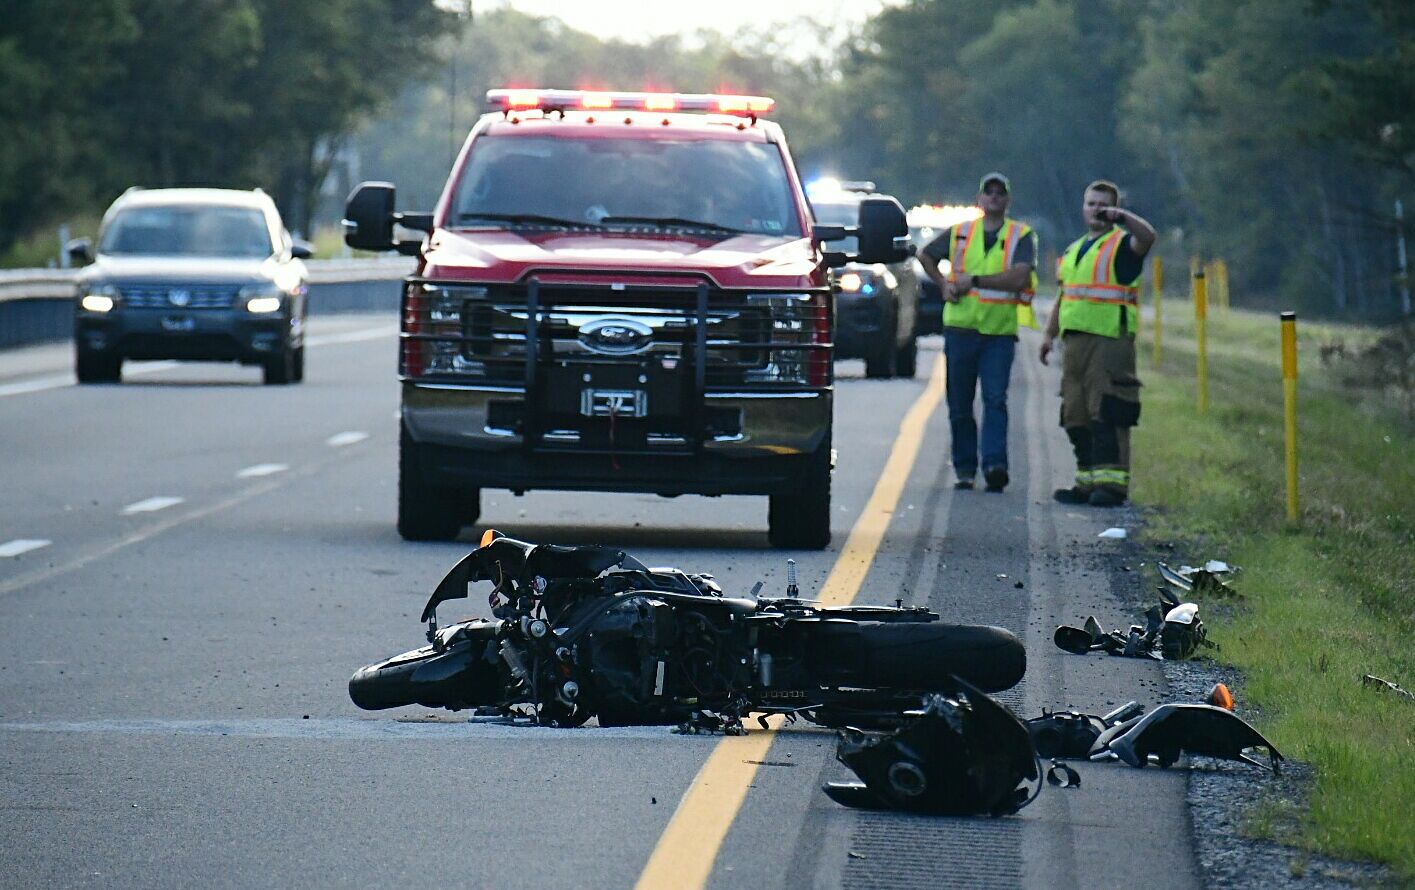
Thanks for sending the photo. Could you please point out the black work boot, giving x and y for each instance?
(1106, 497)
(1076, 494)
(964, 483)
(996, 478)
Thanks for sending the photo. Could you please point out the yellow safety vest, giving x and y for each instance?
(1092, 299)
(986, 310)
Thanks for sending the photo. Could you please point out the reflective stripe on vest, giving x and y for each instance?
(1089, 289)
(987, 310)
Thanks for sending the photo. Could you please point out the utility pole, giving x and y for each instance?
(1400, 257)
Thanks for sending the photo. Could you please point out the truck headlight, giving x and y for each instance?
(99, 298)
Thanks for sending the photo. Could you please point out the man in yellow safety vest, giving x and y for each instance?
(987, 291)
(1095, 315)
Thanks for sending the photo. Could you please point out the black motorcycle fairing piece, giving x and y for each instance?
(507, 557)
(1065, 734)
(962, 754)
(1172, 729)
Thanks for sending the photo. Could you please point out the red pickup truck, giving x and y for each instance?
(619, 292)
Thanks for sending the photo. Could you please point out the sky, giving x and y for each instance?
(638, 21)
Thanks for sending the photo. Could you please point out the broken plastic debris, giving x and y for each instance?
(1170, 730)
(1114, 533)
(1386, 685)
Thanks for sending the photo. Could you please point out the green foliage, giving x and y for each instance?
(1325, 602)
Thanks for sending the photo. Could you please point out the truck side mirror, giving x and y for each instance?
(883, 231)
(80, 251)
(368, 216)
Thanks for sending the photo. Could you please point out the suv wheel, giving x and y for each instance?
(97, 367)
(881, 363)
(906, 360)
(280, 369)
(801, 520)
(425, 513)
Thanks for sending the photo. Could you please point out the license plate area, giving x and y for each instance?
(178, 324)
(614, 402)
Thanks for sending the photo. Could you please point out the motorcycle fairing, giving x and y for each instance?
(1172, 729)
(962, 754)
(521, 561)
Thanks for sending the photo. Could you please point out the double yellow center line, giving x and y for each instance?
(685, 853)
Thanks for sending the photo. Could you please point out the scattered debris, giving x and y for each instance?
(1220, 697)
(1071, 733)
(961, 754)
(1386, 685)
(1210, 578)
(1114, 534)
(1062, 775)
(1171, 627)
(1172, 729)
(853, 855)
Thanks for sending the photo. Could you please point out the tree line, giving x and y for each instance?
(103, 94)
(1275, 133)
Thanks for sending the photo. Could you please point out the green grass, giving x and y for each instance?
(1325, 601)
(41, 247)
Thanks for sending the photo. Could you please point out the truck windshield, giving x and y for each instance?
(188, 230)
(722, 187)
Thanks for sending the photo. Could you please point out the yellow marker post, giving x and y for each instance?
(1196, 267)
(1158, 282)
(1201, 314)
(1289, 407)
(1222, 269)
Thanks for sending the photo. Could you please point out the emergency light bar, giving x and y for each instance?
(584, 100)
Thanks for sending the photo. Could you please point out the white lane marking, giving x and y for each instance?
(133, 369)
(21, 545)
(354, 728)
(262, 470)
(152, 505)
(339, 440)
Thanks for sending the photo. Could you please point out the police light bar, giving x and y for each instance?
(585, 100)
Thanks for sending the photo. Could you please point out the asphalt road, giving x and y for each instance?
(192, 564)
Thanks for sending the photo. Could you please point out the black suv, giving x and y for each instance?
(876, 304)
(197, 274)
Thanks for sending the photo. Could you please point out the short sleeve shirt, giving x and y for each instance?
(1024, 255)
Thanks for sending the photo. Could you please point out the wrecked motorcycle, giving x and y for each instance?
(581, 632)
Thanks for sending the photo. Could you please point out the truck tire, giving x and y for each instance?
(801, 520)
(424, 513)
(906, 361)
(95, 367)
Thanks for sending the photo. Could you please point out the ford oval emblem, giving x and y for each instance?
(616, 336)
(179, 297)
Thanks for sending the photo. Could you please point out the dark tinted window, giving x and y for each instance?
(738, 185)
(186, 230)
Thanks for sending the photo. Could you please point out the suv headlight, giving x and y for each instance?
(262, 298)
(99, 297)
(860, 282)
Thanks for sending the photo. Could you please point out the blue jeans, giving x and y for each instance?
(975, 358)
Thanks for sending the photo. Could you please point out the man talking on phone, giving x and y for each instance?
(1095, 315)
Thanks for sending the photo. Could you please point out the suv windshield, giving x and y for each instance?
(719, 188)
(188, 230)
(837, 213)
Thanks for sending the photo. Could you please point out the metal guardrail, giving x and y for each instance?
(36, 304)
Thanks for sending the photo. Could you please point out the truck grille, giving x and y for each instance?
(719, 341)
(179, 296)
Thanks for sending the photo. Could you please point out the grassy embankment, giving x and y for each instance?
(1325, 601)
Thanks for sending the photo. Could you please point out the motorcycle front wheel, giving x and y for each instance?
(456, 678)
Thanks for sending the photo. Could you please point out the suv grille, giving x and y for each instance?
(179, 296)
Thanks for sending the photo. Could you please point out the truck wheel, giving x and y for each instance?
(424, 513)
(279, 369)
(906, 360)
(95, 367)
(801, 520)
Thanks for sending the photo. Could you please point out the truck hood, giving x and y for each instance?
(739, 261)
